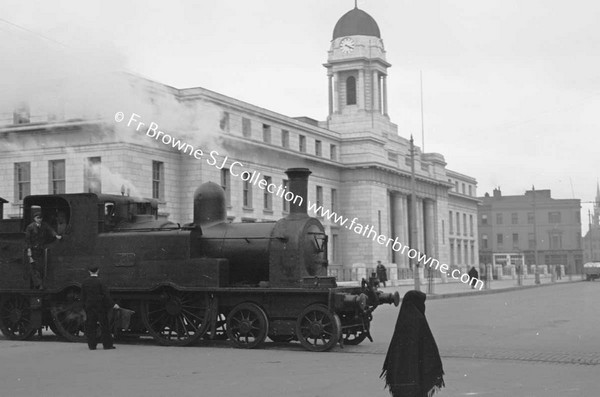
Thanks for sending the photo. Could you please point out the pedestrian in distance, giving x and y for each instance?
(473, 274)
(37, 235)
(97, 302)
(558, 272)
(381, 273)
(412, 366)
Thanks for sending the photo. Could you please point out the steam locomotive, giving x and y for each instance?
(207, 279)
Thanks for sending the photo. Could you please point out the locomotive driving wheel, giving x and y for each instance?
(176, 318)
(68, 317)
(317, 328)
(15, 313)
(247, 325)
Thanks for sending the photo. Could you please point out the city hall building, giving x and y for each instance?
(361, 165)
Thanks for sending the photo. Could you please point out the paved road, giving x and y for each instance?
(534, 342)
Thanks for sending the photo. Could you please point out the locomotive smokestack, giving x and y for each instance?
(298, 178)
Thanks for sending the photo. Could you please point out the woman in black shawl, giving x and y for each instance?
(413, 367)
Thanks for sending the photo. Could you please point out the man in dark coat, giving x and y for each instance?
(381, 273)
(97, 302)
(412, 366)
(37, 235)
(473, 273)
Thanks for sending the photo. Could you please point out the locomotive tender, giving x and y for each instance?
(210, 278)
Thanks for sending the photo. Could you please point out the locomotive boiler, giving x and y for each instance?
(207, 279)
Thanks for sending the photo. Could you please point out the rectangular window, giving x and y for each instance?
(451, 223)
(286, 204)
(318, 150)
(443, 232)
(319, 196)
(470, 190)
(515, 239)
(452, 261)
(458, 253)
(333, 200)
(225, 184)
(158, 188)
(555, 241)
(334, 248)
(484, 241)
(246, 127)
(92, 181)
(333, 152)
(531, 241)
(22, 180)
(457, 223)
(472, 253)
(514, 218)
(471, 225)
(500, 239)
(499, 219)
(465, 224)
(484, 219)
(266, 133)
(302, 143)
(224, 122)
(554, 217)
(530, 218)
(464, 190)
(466, 252)
(285, 138)
(267, 196)
(247, 196)
(56, 170)
(456, 187)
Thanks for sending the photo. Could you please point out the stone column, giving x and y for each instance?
(429, 227)
(375, 89)
(400, 219)
(385, 106)
(360, 90)
(336, 84)
(330, 89)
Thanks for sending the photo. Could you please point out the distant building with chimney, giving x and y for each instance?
(520, 224)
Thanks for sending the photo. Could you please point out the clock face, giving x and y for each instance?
(347, 45)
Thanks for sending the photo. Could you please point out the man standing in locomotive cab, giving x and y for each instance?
(97, 302)
(37, 235)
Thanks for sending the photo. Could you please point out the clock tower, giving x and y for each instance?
(357, 73)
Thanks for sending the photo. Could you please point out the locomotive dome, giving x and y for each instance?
(354, 23)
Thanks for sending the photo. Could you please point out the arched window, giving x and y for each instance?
(351, 91)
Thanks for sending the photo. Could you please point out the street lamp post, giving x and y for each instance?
(535, 242)
(413, 210)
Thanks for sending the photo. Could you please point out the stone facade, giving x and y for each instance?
(519, 224)
(361, 166)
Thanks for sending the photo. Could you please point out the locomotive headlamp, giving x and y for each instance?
(320, 241)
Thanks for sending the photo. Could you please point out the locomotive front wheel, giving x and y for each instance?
(318, 329)
(247, 325)
(68, 317)
(176, 318)
(15, 314)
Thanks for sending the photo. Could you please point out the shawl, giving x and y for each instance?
(412, 366)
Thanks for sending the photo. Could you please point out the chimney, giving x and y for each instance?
(298, 186)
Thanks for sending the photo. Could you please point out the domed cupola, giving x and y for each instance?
(356, 22)
(357, 70)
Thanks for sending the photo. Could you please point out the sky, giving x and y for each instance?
(511, 89)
